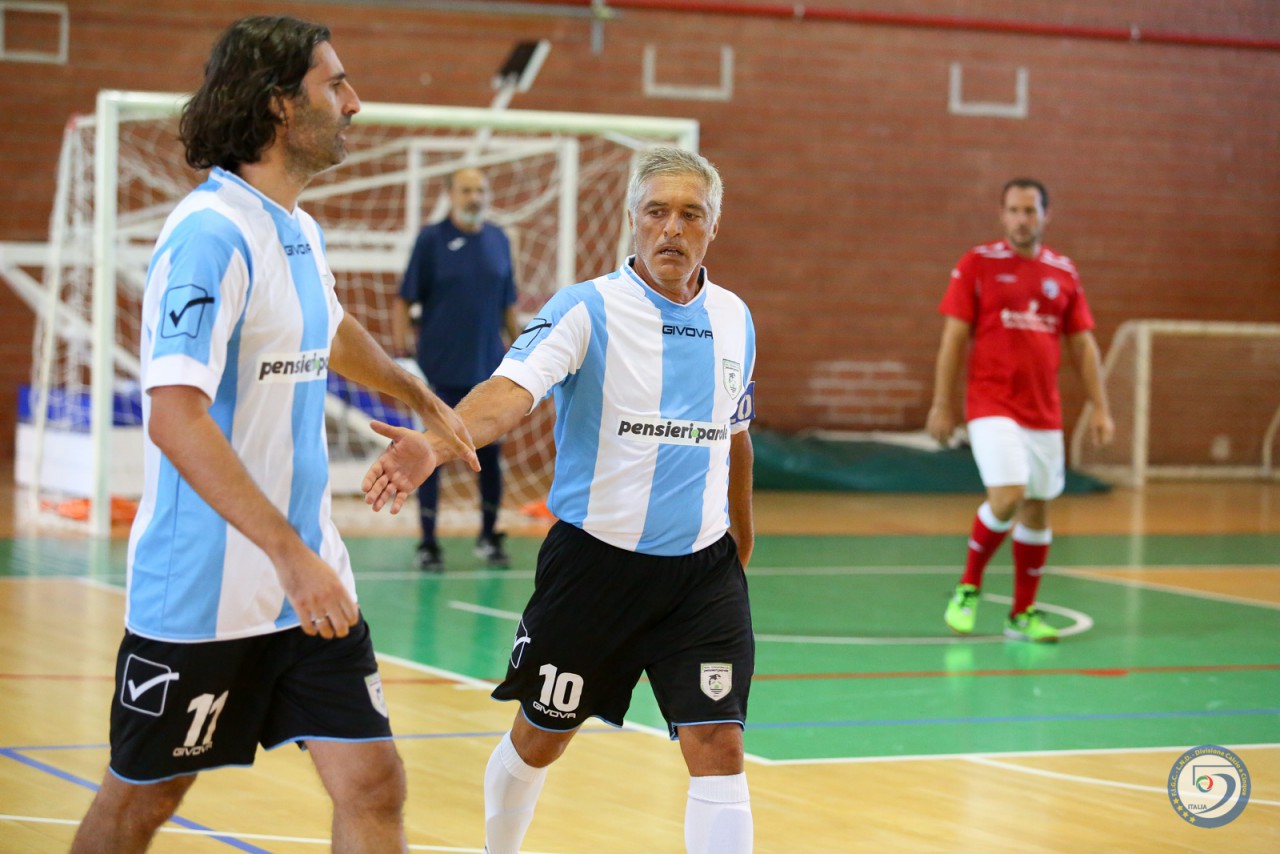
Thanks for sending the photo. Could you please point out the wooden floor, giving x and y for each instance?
(623, 791)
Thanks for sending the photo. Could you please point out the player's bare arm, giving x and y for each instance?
(489, 412)
(943, 417)
(741, 516)
(1087, 359)
(512, 325)
(356, 356)
(402, 338)
(187, 435)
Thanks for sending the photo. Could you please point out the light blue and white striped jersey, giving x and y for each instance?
(240, 304)
(647, 393)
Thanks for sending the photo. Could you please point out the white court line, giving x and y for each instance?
(1075, 778)
(98, 584)
(63, 576)
(1081, 622)
(481, 609)
(906, 569)
(463, 680)
(258, 837)
(1082, 574)
(470, 575)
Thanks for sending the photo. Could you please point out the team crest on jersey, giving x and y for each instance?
(732, 373)
(183, 311)
(717, 680)
(145, 685)
(1049, 287)
(374, 683)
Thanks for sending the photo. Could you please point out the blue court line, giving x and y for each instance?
(12, 753)
(87, 784)
(1109, 716)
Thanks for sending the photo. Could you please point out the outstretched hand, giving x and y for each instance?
(401, 468)
(449, 429)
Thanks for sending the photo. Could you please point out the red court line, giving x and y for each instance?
(1053, 671)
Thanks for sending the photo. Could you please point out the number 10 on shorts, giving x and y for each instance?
(561, 692)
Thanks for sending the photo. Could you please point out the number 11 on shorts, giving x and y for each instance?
(206, 708)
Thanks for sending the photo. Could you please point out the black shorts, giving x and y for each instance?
(600, 616)
(181, 708)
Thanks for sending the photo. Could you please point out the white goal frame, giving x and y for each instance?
(1140, 334)
(114, 106)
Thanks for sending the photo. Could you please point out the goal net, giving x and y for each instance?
(1191, 399)
(558, 184)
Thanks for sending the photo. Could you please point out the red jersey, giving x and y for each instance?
(1017, 309)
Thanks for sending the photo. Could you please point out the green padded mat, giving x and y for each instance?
(812, 464)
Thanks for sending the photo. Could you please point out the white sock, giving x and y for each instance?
(717, 818)
(988, 517)
(511, 791)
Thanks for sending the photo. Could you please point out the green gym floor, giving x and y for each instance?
(853, 659)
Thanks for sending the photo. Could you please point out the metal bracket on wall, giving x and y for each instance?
(722, 92)
(56, 56)
(956, 105)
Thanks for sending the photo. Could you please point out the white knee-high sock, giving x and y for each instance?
(511, 791)
(717, 818)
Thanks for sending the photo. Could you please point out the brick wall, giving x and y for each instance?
(851, 189)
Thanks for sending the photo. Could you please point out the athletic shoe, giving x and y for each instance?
(962, 610)
(1030, 626)
(429, 558)
(489, 549)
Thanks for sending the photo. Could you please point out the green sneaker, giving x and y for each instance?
(962, 610)
(1030, 626)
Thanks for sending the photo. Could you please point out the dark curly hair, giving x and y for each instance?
(230, 119)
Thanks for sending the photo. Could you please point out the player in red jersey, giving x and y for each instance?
(1013, 301)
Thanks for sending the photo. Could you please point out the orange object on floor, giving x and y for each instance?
(122, 509)
(537, 510)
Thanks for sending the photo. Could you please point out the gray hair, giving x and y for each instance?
(674, 161)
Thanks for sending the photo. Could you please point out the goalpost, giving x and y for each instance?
(558, 184)
(1191, 400)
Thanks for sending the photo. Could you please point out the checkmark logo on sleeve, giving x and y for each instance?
(183, 311)
(176, 317)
